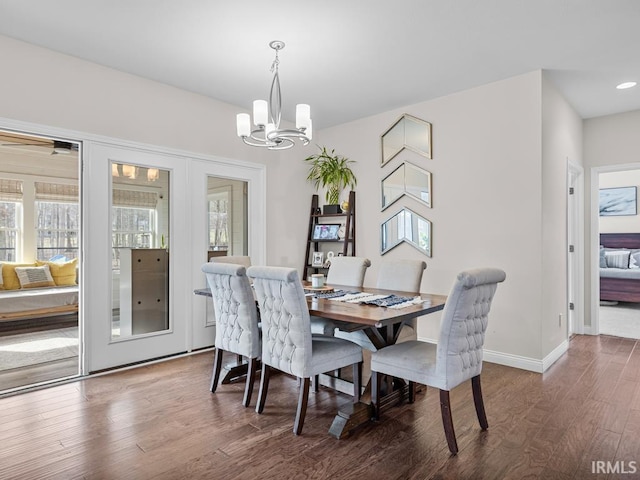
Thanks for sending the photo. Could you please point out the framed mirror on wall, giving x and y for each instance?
(406, 179)
(140, 219)
(407, 132)
(406, 226)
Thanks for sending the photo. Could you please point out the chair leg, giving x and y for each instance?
(217, 366)
(316, 383)
(357, 381)
(376, 377)
(447, 421)
(251, 377)
(479, 403)
(264, 386)
(303, 398)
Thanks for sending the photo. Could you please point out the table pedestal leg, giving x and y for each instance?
(233, 372)
(354, 415)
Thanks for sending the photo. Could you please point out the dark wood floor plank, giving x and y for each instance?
(161, 421)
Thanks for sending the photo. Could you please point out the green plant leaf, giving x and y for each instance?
(332, 172)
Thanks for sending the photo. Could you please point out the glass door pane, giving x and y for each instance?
(140, 215)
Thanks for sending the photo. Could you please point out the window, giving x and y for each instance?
(57, 220)
(10, 219)
(9, 232)
(133, 225)
(219, 206)
(56, 230)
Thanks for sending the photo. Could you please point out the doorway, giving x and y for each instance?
(619, 314)
(39, 256)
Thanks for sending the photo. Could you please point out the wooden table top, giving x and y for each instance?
(367, 315)
(372, 315)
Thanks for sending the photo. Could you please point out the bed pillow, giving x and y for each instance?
(33, 277)
(634, 259)
(617, 258)
(9, 278)
(63, 273)
(603, 260)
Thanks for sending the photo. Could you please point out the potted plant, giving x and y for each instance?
(332, 172)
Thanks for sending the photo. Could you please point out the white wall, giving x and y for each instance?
(487, 201)
(561, 142)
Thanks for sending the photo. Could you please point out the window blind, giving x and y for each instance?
(10, 190)
(133, 198)
(56, 192)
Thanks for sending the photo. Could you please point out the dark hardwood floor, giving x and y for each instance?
(161, 421)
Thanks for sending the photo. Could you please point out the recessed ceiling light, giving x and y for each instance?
(624, 85)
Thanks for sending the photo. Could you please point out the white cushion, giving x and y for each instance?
(617, 258)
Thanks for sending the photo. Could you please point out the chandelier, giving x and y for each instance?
(266, 117)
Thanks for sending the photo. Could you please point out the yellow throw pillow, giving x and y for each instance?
(63, 273)
(9, 277)
(34, 277)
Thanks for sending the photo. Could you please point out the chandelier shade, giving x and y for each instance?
(266, 131)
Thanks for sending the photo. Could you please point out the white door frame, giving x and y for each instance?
(575, 237)
(594, 253)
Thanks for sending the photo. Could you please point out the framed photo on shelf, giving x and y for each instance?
(318, 259)
(326, 231)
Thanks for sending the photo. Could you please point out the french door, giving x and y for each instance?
(137, 250)
(147, 235)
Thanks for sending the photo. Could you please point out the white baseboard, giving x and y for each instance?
(518, 361)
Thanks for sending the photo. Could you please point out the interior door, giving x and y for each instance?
(137, 253)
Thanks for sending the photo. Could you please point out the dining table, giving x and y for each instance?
(380, 322)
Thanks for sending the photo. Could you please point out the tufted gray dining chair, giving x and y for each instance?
(458, 355)
(287, 342)
(344, 271)
(236, 320)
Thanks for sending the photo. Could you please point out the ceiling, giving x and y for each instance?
(349, 59)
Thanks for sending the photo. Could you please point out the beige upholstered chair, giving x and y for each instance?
(236, 319)
(344, 271)
(287, 343)
(245, 261)
(458, 355)
(402, 275)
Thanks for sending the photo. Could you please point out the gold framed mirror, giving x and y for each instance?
(407, 132)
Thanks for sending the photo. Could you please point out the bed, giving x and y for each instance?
(619, 282)
(38, 303)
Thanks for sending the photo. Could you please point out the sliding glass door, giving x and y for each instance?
(39, 258)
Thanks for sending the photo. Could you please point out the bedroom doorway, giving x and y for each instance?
(39, 255)
(618, 224)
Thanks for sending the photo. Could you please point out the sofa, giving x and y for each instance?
(38, 290)
(620, 267)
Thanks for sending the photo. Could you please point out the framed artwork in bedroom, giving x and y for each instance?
(618, 201)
